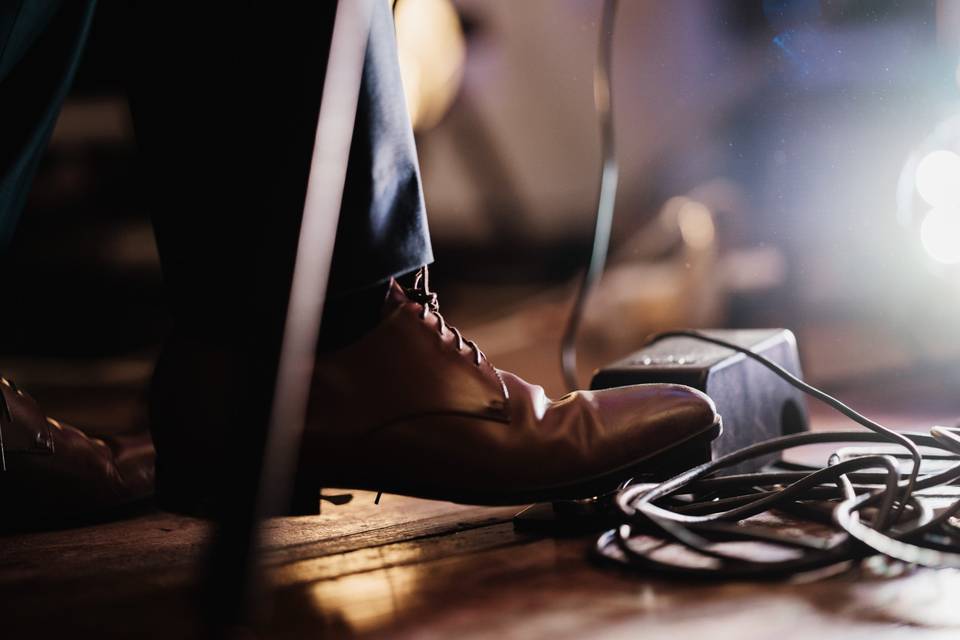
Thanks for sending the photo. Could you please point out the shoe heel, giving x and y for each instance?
(305, 500)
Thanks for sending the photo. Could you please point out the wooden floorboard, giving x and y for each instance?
(418, 569)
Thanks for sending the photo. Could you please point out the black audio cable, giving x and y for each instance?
(603, 104)
(877, 508)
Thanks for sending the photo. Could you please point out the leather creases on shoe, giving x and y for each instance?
(53, 471)
(411, 364)
(406, 410)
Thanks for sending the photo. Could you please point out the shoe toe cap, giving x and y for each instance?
(651, 417)
(607, 428)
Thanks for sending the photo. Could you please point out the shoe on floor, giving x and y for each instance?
(51, 471)
(416, 409)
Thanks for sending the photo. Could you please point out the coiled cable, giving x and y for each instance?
(875, 507)
(878, 508)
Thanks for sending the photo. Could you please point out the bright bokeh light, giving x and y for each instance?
(938, 178)
(432, 50)
(696, 224)
(940, 235)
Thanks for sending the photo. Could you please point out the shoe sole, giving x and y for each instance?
(306, 500)
(595, 486)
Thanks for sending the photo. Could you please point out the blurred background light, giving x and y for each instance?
(940, 235)
(761, 146)
(432, 51)
(938, 178)
(928, 198)
(696, 225)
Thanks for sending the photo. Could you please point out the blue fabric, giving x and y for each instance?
(40, 47)
(383, 224)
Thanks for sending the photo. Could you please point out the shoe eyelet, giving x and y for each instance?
(44, 442)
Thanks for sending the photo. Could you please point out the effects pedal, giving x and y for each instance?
(755, 405)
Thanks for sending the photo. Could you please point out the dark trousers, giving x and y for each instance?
(225, 101)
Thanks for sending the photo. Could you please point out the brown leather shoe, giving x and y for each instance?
(51, 471)
(414, 408)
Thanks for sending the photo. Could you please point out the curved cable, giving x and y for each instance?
(812, 391)
(603, 104)
(877, 507)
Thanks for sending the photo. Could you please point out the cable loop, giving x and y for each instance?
(876, 507)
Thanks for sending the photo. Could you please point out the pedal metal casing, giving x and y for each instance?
(753, 402)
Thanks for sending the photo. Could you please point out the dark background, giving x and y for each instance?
(789, 123)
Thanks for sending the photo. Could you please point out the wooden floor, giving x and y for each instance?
(417, 569)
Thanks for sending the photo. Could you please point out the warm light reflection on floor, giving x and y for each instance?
(367, 601)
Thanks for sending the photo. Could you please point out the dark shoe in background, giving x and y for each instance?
(54, 473)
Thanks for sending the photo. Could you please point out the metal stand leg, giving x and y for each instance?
(234, 587)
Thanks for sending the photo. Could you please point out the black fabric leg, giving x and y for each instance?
(227, 119)
(225, 101)
(225, 106)
(350, 316)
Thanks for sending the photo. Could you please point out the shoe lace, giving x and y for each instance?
(422, 295)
